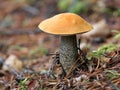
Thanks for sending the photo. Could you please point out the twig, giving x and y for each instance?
(50, 71)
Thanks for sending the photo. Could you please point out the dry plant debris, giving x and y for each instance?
(94, 74)
(20, 37)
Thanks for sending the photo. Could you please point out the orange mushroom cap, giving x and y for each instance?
(65, 24)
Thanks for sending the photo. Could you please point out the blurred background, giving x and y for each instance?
(20, 36)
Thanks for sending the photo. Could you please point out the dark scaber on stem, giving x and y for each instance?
(68, 52)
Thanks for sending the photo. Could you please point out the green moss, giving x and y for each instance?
(102, 50)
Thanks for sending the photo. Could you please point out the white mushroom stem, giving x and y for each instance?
(68, 52)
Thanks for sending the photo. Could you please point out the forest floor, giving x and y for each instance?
(30, 52)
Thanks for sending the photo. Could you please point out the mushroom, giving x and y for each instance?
(67, 25)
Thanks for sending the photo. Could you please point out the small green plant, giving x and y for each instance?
(23, 84)
(117, 12)
(40, 89)
(79, 7)
(117, 36)
(75, 6)
(31, 1)
(64, 4)
(111, 74)
(102, 50)
(18, 47)
(40, 50)
(112, 12)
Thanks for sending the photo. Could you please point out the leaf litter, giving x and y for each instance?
(99, 67)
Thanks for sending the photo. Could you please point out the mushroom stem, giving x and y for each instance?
(68, 52)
